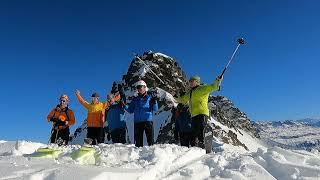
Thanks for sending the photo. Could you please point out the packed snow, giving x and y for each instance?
(161, 161)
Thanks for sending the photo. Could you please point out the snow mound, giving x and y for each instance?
(18, 148)
(162, 161)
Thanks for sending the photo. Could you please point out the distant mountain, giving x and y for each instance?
(293, 134)
(310, 121)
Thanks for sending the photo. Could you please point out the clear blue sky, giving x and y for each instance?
(53, 47)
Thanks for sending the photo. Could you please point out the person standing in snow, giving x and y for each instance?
(62, 118)
(197, 99)
(183, 129)
(143, 106)
(115, 116)
(95, 117)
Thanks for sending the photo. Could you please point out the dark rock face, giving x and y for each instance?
(168, 70)
(227, 114)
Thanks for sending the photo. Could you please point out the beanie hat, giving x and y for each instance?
(195, 78)
(95, 95)
(64, 96)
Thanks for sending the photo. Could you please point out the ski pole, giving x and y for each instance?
(240, 42)
(49, 141)
(136, 56)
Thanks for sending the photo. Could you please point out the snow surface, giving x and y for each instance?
(163, 55)
(161, 161)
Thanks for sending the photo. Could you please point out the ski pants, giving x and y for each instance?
(96, 134)
(141, 127)
(119, 135)
(198, 123)
(186, 138)
(60, 136)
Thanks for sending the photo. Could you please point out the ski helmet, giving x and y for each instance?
(141, 83)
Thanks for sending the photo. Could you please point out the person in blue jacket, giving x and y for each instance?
(183, 128)
(143, 106)
(115, 116)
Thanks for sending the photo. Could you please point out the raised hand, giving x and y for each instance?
(110, 98)
(77, 92)
(219, 78)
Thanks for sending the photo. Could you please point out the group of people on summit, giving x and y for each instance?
(191, 115)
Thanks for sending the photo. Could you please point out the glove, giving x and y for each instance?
(154, 97)
(54, 119)
(176, 135)
(108, 136)
(60, 123)
(153, 100)
(219, 78)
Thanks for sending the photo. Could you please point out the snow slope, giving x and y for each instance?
(162, 161)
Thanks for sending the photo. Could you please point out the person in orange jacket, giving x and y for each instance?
(62, 118)
(95, 117)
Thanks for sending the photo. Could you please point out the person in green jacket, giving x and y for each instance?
(197, 99)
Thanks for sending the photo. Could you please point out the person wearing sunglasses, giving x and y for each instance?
(95, 117)
(197, 99)
(116, 127)
(142, 106)
(62, 118)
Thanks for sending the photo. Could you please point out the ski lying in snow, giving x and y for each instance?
(208, 137)
(47, 153)
(85, 155)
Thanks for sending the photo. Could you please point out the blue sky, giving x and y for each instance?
(52, 47)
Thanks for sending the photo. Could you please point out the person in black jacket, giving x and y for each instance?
(183, 128)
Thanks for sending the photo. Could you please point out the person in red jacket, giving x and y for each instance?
(62, 118)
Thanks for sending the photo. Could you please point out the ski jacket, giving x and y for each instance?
(183, 120)
(197, 98)
(142, 108)
(63, 115)
(116, 116)
(95, 115)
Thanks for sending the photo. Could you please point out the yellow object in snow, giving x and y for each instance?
(85, 155)
(47, 153)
